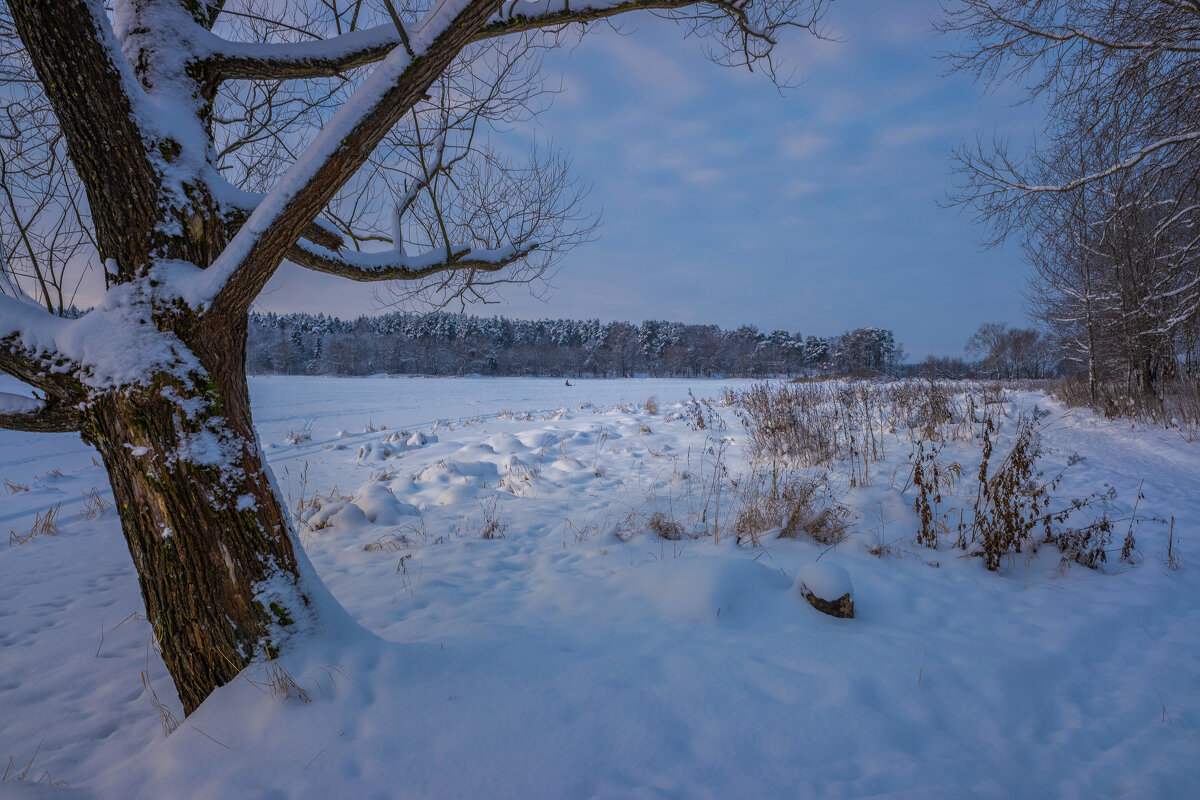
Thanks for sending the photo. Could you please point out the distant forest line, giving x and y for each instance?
(443, 343)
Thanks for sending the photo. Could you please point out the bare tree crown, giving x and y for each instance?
(1107, 204)
(231, 103)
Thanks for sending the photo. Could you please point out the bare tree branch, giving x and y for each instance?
(347, 142)
(315, 59)
(336, 56)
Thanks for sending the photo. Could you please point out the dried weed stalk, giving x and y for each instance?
(44, 524)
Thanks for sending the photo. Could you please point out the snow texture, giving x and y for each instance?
(578, 655)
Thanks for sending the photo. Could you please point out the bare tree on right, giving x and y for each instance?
(1107, 204)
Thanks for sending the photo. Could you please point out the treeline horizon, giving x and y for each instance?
(443, 343)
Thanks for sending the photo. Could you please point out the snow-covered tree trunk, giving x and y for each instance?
(210, 541)
(208, 536)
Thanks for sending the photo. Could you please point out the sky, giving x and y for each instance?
(724, 200)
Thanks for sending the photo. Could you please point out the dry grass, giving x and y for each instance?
(279, 683)
(1171, 556)
(665, 527)
(626, 528)
(833, 422)
(1175, 405)
(791, 503)
(580, 533)
(297, 437)
(165, 715)
(14, 488)
(24, 774)
(931, 477)
(94, 504)
(385, 544)
(491, 527)
(1008, 508)
(44, 524)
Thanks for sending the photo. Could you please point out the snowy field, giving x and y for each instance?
(575, 653)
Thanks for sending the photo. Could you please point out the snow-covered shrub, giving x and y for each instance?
(374, 451)
(1015, 501)
(695, 413)
(931, 410)
(1012, 501)
(812, 424)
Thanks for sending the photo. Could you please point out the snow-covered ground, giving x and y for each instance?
(560, 660)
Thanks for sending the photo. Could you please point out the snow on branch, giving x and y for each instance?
(319, 58)
(20, 413)
(85, 55)
(1002, 178)
(28, 351)
(332, 57)
(392, 265)
(115, 344)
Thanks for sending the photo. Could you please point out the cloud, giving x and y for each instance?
(658, 68)
(798, 187)
(798, 146)
(703, 177)
(900, 136)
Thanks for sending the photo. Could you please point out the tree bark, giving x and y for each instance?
(71, 50)
(209, 538)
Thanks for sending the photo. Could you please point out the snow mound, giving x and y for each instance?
(375, 451)
(505, 444)
(341, 514)
(380, 506)
(460, 494)
(419, 439)
(705, 590)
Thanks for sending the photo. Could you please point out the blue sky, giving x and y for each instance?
(725, 201)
